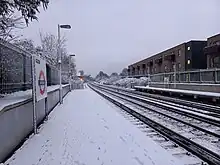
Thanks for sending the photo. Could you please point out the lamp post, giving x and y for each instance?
(60, 59)
(72, 55)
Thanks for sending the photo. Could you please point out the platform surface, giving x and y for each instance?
(89, 130)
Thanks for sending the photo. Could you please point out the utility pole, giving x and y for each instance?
(60, 60)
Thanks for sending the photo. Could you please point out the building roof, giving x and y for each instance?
(158, 54)
(217, 35)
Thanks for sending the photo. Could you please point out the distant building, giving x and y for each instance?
(186, 56)
(212, 50)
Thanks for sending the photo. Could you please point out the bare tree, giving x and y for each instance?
(81, 72)
(49, 45)
(124, 72)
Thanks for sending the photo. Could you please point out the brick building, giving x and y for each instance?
(186, 56)
(212, 50)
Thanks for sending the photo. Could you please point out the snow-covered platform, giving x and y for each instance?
(181, 91)
(88, 130)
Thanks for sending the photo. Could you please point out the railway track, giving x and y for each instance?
(210, 109)
(199, 114)
(186, 130)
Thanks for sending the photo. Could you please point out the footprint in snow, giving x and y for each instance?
(139, 161)
(123, 139)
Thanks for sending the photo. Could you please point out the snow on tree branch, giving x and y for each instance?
(27, 9)
(11, 23)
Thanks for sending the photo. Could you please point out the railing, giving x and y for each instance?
(197, 76)
(15, 69)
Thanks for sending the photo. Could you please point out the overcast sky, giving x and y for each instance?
(109, 35)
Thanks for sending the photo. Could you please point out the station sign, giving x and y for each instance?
(40, 78)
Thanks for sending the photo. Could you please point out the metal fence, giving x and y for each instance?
(15, 69)
(198, 76)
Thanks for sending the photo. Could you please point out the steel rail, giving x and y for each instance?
(192, 104)
(163, 114)
(173, 109)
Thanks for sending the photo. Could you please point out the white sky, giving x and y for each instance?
(110, 35)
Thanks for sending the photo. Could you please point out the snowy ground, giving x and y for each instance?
(20, 96)
(88, 130)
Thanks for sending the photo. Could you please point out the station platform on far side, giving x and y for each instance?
(195, 94)
(89, 130)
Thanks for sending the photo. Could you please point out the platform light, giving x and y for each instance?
(60, 59)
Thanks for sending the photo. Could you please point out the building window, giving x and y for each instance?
(188, 48)
(179, 66)
(188, 62)
(165, 67)
(179, 52)
(217, 43)
(174, 68)
(216, 62)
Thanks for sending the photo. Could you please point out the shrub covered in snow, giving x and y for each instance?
(130, 82)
